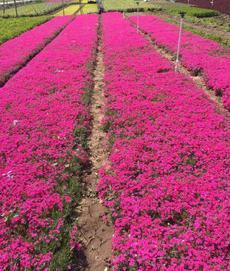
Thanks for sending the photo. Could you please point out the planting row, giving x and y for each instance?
(166, 181)
(197, 54)
(44, 125)
(16, 52)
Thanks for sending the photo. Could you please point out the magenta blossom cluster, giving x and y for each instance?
(15, 52)
(197, 54)
(166, 182)
(43, 116)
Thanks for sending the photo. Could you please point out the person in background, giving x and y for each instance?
(100, 6)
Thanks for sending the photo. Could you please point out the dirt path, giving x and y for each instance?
(198, 80)
(95, 234)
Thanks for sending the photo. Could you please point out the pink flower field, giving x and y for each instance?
(16, 52)
(166, 183)
(109, 159)
(44, 122)
(197, 54)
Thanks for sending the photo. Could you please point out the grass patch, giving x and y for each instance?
(190, 11)
(216, 22)
(89, 8)
(12, 27)
(223, 41)
(215, 35)
(79, 9)
(172, 9)
(70, 10)
(130, 6)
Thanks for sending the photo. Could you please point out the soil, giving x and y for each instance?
(96, 235)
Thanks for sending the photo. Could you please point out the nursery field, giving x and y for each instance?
(158, 5)
(205, 22)
(32, 9)
(110, 158)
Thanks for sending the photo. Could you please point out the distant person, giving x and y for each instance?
(101, 6)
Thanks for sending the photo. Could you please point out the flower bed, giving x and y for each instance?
(16, 52)
(166, 182)
(44, 125)
(197, 54)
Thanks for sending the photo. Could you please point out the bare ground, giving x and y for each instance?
(95, 234)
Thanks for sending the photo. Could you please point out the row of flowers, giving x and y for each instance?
(45, 120)
(166, 180)
(16, 52)
(197, 54)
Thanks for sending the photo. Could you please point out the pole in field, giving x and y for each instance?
(63, 10)
(137, 2)
(4, 7)
(16, 8)
(182, 14)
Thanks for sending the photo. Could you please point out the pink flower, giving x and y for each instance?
(197, 54)
(46, 97)
(167, 187)
(16, 52)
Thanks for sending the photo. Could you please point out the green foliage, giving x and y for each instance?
(12, 27)
(70, 10)
(216, 22)
(130, 5)
(34, 9)
(191, 11)
(173, 9)
(213, 36)
(107, 126)
(62, 258)
(118, 4)
(78, 9)
(89, 8)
